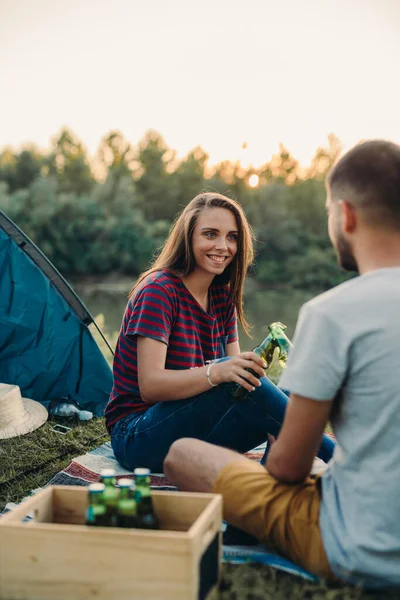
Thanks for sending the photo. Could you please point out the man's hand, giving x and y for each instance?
(291, 456)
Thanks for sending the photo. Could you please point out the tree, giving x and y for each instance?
(155, 163)
(306, 203)
(231, 179)
(7, 168)
(284, 166)
(116, 157)
(68, 163)
(188, 179)
(117, 195)
(20, 170)
(28, 167)
(324, 158)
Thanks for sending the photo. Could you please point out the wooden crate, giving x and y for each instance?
(55, 556)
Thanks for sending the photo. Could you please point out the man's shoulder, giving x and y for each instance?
(345, 293)
(366, 290)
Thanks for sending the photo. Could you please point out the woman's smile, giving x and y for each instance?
(217, 258)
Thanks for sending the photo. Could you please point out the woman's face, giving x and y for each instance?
(215, 240)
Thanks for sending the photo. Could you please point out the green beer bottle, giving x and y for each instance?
(275, 339)
(96, 510)
(111, 492)
(146, 517)
(282, 342)
(127, 509)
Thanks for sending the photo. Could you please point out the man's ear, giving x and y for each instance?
(348, 216)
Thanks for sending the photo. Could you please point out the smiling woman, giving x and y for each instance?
(178, 332)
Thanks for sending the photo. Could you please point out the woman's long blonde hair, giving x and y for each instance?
(177, 254)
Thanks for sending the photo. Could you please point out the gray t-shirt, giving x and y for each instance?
(347, 347)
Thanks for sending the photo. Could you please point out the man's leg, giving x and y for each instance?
(193, 465)
(285, 516)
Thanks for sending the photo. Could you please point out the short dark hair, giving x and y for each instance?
(368, 176)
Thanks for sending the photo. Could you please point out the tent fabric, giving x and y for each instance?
(46, 346)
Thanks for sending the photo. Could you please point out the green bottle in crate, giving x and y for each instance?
(111, 493)
(146, 516)
(96, 510)
(127, 508)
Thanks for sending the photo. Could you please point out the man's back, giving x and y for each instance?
(355, 330)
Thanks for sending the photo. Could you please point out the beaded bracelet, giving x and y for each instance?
(208, 375)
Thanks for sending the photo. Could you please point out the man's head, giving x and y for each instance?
(363, 188)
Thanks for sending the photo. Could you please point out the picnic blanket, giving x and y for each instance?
(88, 466)
(238, 547)
(85, 469)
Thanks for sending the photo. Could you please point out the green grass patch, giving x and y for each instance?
(260, 582)
(30, 461)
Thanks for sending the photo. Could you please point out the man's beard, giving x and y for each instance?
(345, 254)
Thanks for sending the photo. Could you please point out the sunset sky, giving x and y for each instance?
(212, 72)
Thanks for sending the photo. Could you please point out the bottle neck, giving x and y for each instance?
(109, 481)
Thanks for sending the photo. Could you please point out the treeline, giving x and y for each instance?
(114, 212)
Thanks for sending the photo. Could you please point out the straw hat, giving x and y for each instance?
(18, 415)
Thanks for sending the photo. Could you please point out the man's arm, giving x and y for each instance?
(291, 456)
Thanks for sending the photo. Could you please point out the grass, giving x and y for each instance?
(259, 582)
(30, 461)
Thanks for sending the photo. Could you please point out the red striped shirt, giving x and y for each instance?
(163, 309)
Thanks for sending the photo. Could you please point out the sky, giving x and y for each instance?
(214, 73)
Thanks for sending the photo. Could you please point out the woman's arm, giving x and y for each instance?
(233, 349)
(156, 383)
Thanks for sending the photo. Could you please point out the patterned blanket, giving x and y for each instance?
(85, 469)
(238, 547)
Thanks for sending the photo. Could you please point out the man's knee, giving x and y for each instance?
(175, 455)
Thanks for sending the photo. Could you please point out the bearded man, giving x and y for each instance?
(344, 368)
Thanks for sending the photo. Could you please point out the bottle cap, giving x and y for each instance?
(107, 473)
(96, 488)
(125, 483)
(142, 471)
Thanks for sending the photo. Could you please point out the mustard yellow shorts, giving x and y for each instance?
(285, 516)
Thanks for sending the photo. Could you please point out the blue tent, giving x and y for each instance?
(46, 346)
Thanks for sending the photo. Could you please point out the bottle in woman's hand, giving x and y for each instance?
(274, 350)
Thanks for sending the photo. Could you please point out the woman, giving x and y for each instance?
(182, 314)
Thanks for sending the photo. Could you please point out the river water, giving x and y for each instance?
(262, 307)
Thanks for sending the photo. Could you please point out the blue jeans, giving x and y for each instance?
(215, 416)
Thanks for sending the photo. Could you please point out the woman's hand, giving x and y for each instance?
(235, 369)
